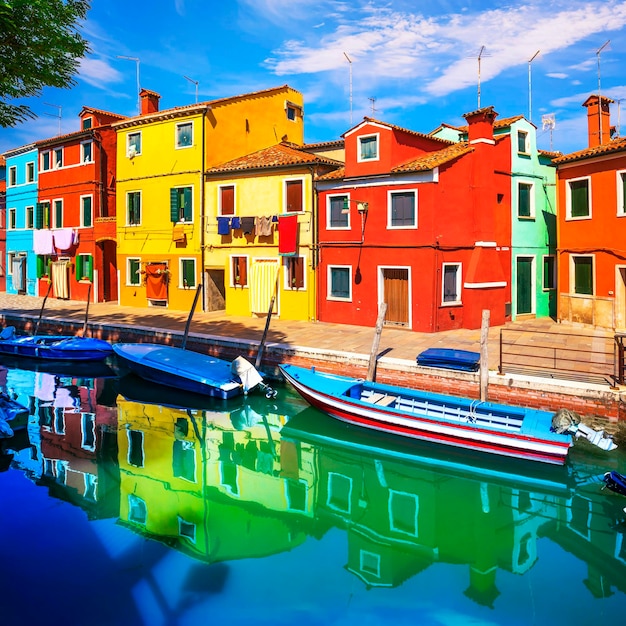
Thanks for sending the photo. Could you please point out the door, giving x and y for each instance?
(396, 295)
(524, 285)
(215, 290)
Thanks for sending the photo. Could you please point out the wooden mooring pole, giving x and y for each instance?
(484, 355)
(382, 311)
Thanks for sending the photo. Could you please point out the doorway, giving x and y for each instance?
(396, 295)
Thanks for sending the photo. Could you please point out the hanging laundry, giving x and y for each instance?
(156, 281)
(275, 219)
(42, 242)
(263, 226)
(247, 225)
(288, 235)
(223, 225)
(75, 237)
(63, 238)
(235, 222)
(178, 234)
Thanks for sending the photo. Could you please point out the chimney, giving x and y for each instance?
(149, 101)
(480, 124)
(598, 120)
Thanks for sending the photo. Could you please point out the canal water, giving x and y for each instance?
(128, 504)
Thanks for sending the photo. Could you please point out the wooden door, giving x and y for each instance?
(396, 295)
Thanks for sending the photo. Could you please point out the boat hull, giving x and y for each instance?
(57, 348)
(524, 434)
(180, 369)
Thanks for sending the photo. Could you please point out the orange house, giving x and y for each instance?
(591, 187)
(74, 220)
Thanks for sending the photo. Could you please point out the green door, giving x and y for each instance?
(524, 285)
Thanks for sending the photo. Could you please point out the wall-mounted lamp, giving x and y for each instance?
(361, 206)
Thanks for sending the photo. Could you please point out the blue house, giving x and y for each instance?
(21, 199)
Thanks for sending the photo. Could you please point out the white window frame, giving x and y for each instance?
(403, 494)
(82, 199)
(12, 176)
(44, 154)
(181, 275)
(233, 284)
(186, 529)
(294, 180)
(136, 152)
(531, 195)
(329, 295)
(135, 501)
(30, 172)
(459, 283)
(395, 192)
(526, 134)
(129, 272)
(296, 108)
(12, 219)
(58, 163)
(568, 199)
(328, 213)
(29, 209)
(177, 145)
(83, 145)
(572, 274)
(286, 284)
(620, 182)
(330, 503)
(57, 203)
(360, 139)
(126, 212)
(219, 199)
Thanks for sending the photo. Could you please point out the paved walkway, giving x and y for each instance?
(396, 343)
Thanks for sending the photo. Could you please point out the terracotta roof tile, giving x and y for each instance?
(406, 130)
(616, 145)
(431, 160)
(337, 174)
(102, 112)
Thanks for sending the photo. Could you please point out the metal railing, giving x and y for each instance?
(581, 357)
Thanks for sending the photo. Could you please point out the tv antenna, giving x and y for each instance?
(58, 115)
(136, 60)
(345, 54)
(373, 101)
(195, 82)
(599, 92)
(480, 56)
(548, 122)
(530, 99)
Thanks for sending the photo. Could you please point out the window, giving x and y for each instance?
(339, 495)
(86, 149)
(451, 283)
(187, 529)
(369, 563)
(583, 275)
(86, 123)
(184, 135)
(135, 448)
(12, 176)
(180, 204)
(58, 213)
(42, 215)
(88, 431)
(133, 144)
(292, 111)
(184, 460)
(339, 283)
(58, 157)
(525, 200)
(187, 274)
(403, 513)
(402, 209)
(294, 272)
(227, 200)
(133, 208)
(293, 195)
(522, 142)
(239, 271)
(12, 219)
(133, 269)
(137, 510)
(86, 211)
(43, 265)
(84, 267)
(577, 193)
(30, 217)
(45, 160)
(621, 193)
(338, 215)
(549, 272)
(368, 148)
(30, 172)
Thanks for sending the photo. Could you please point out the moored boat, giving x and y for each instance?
(512, 431)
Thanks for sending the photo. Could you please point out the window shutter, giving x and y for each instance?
(39, 215)
(89, 266)
(174, 213)
(294, 195)
(298, 272)
(40, 266)
(227, 200)
(187, 204)
(79, 267)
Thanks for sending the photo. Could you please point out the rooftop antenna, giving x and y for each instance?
(548, 122)
(195, 82)
(350, 62)
(373, 101)
(530, 99)
(480, 54)
(59, 115)
(136, 60)
(599, 93)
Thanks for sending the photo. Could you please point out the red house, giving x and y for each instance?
(591, 186)
(74, 237)
(420, 223)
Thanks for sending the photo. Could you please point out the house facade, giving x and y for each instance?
(261, 214)
(3, 222)
(74, 219)
(417, 222)
(161, 160)
(591, 187)
(21, 198)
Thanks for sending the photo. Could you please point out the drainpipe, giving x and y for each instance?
(202, 211)
(314, 241)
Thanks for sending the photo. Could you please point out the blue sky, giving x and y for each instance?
(414, 64)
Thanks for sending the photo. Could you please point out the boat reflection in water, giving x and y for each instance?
(266, 511)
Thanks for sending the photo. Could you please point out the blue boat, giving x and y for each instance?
(182, 369)
(448, 358)
(13, 416)
(53, 347)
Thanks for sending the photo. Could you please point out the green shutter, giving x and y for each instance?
(187, 204)
(174, 213)
(583, 276)
(79, 267)
(40, 266)
(39, 215)
(89, 266)
(189, 277)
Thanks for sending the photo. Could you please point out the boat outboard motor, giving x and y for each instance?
(250, 377)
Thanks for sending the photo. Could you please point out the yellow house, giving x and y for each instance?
(260, 230)
(161, 158)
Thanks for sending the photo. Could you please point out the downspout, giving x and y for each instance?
(202, 213)
(314, 247)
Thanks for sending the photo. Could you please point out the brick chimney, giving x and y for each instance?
(149, 101)
(480, 124)
(598, 120)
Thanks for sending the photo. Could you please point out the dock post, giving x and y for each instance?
(382, 311)
(484, 356)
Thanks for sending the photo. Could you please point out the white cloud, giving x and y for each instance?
(557, 75)
(98, 72)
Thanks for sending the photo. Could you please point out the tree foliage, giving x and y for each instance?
(40, 46)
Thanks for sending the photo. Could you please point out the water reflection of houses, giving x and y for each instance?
(210, 481)
(404, 511)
